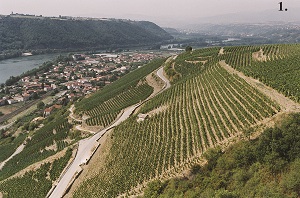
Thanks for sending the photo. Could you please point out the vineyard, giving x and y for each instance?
(53, 133)
(35, 183)
(103, 107)
(9, 145)
(205, 107)
(107, 111)
(275, 65)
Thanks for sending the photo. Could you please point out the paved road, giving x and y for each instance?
(88, 146)
(161, 75)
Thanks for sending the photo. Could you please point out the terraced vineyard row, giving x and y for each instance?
(107, 111)
(35, 150)
(193, 63)
(103, 107)
(9, 145)
(35, 183)
(122, 85)
(201, 111)
(279, 67)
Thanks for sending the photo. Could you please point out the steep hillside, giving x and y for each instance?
(48, 144)
(103, 107)
(208, 105)
(247, 169)
(45, 33)
(219, 96)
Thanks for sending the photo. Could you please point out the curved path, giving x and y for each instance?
(71, 109)
(161, 75)
(88, 146)
(18, 150)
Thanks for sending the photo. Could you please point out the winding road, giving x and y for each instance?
(88, 146)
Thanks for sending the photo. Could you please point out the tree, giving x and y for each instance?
(188, 48)
(34, 96)
(40, 105)
(154, 189)
(291, 181)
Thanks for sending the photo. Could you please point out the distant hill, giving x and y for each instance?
(46, 33)
(292, 15)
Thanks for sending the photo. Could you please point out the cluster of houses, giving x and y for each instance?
(83, 75)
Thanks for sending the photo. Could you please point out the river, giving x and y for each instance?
(16, 66)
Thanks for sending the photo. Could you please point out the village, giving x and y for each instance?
(69, 80)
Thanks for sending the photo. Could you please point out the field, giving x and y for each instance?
(246, 169)
(45, 142)
(36, 183)
(103, 107)
(205, 107)
(274, 65)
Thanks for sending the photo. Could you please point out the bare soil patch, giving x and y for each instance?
(87, 128)
(141, 117)
(221, 52)
(10, 108)
(52, 147)
(155, 82)
(158, 110)
(80, 128)
(259, 56)
(195, 62)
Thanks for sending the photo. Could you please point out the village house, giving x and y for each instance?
(12, 101)
(18, 98)
(26, 96)
(47, 88)
(47, 111)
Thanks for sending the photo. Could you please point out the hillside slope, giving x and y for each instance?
(48, 149)
(34, 33)
(206, 106)
(246, 169)
(211, 103)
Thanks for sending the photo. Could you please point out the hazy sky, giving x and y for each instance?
(158, 11)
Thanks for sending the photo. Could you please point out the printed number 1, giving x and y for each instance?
(280, 6)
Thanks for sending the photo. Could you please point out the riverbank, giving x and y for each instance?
(19, 65)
